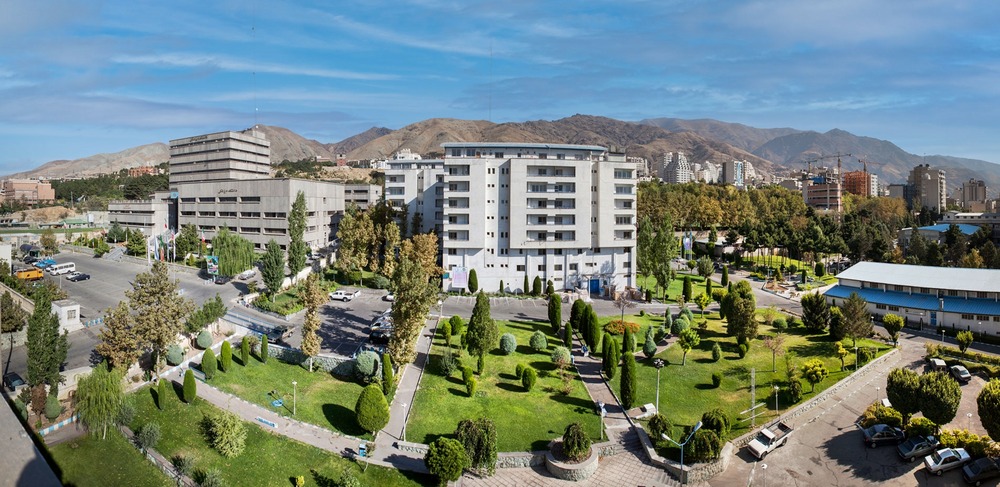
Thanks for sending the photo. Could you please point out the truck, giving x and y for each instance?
(30, 274)
(769, 438)
(344, 295)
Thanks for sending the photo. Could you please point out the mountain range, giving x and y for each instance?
(771, 150)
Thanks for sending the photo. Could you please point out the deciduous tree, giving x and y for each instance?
(964, 339)
(273, 269)
(12, 316)
(414, 295)
(903, 390)
(988, 403)
(688, 339)
(776, 344)
(119, 340)
(235, 252)
(313, 297)
(892, 323)
(814, 371)
(297, 247)
(939, 397)
(99, 398)
(446, 458)
(356, 235)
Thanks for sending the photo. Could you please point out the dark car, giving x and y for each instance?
(221, 280)
(278, 334)
(882, 434)
(917, 447)
(380, 337)
(30, 259)
(78, 276)
(12, 381)
(981, 470)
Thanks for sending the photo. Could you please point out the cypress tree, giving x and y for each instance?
(524, 288)
(388, 376)
(473, 282)
(161, 393)
(226, 364)
(725, 276)
(616, 355)
(245, 350)
(595, 327)
(568, 336)
(549, 288)
(263, 349)
(555, 312)
(628, 343)
(687, 289)
(708, 287)
(209, 364)
(536, 286)
(190, 387)
(628, 384)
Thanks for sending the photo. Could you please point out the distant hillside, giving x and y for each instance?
(353, 142)
(735, 134)
(144, 155)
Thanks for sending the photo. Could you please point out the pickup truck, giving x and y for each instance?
(344, 295)
(769, 438)
(30, 274)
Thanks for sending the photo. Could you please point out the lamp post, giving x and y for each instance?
(877, 388)
(855, 358)
(294, 395)
(681, 446)
(969, 423)
(776, 410)
(658, 363)
(763, 468)
(601, 413)
(942, 336)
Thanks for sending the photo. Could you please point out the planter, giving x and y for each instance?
(571, 471)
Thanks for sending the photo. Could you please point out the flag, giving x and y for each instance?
(203, 236)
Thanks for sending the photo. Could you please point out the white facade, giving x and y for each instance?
(929, 188)
(417, 187)
(677, 169)
(222, 155)
(734, 172)
(564, 213)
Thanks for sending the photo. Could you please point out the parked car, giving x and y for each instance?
(30, 259)
(946, 459)
(380, 337)
(769, 438)
(278, 333)
(917, 447)
(12, 381)
(41, 264)
(961, 374)
(344, 295)
(389, 297)
(978, 471)
(78, 276)
(882, 434)
(937, 364)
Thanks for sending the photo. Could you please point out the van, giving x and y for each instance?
(30, 274)
(60, 269)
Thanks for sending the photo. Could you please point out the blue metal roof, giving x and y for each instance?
(943, 227)
(918, 301)
(984, 280)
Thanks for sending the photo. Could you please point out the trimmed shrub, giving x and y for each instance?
(263, 349)
(227, 433)
(649, 344)
(508, 343)
(470, 386)
(568, 335)
(378, 282)
(147, 436)
(538, 341)
(190, 387)
(549, 288)
(501, 291)
(536, 286)
(209, 364)
(446, 458)
(629, 381)
(473, 282)
(705, 446)
(743, 350)
(795, 390)
(245, 350)
(561, 356)
(716, 379)
(480, 363)
(879, 414)
(446, 364)
(716, 352)
(717, 421)
(456, 325)
(22, 409)
(175, 354)
(204, 339)
(519, 370)
(686, 289)
(388, 376)
(628, 343)
(161, 393)
(446, 331)
(366, 366)
(661, 333)
(467, 373)
(52, 407)
(211, 478)
(679, 325)
(575, 442)
(226, 364)
(372, 410)
(658, 426)
(920, 426)
(687, 313)
(779, 323)
(528, 378)
(618, 327)
(126, 413)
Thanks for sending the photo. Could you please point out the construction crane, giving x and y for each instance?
(823, 158)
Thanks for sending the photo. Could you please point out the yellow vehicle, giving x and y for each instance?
(30, 274)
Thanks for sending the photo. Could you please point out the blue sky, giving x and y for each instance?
(79, 78)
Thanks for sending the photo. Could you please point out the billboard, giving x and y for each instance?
(213, 264)
(460, 277)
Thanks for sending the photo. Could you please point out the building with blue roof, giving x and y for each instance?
(950, 297)
(935, 233)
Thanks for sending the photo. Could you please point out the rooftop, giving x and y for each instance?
(943, 227)
(986, 280)
(919, 301)
(525, 145)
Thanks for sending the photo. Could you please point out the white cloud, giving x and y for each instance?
(229, 64)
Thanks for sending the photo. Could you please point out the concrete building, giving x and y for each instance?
(926, 297)
(988, 220)
(676, 168)
(734, 172)
(861, 183)
(564, 213)
(27, 191)
(416, 187)
(143, 171)
(707, 172)
(974, 194)
(822, 193)
(364, 196)
(934, 233)
(222, 180)
(929, 188)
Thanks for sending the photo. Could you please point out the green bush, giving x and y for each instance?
(508, 343)
(209, 364)
(470, 386)
(366, 366)
(467, 373)
(226, 364)
(658, 426)
(561, 356)
(920, 426)
(388, 376)
(743, 350)
(372, 410)
(456, 325)
(22, 410)
(446, 332)
(480, 363)
(245, 350)
(536, 286)
(528, 378)
(679, 325)
(661, 333)
(519, 370)
(716, 352)
(779, 323)
(705, 446)
(716, 420)
(190, 387)
(161, 392)
(795, 390)
(794, 322)
(538, 341)
(446, 458)
(147, 436)
(204, 339)
(210, 478)
(175, 354)
(126, 412)
(182, 463)
(716, 379)
(879, 414)
(226, 433)
(576, 443)
(446, 364)
(52, 407)
(378, 282)
(263, 349)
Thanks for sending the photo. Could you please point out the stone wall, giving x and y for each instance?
(572, 471)
(17, 338)
(338, 365)
(412, 447)
(520, 459)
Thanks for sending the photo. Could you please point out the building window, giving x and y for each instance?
(880, 306)
(520, 268)
(893, 308)
(982, 294)
(541, 268)
(952, 292)
(982, 317)
(897, 287)
(627, 264)
(452, 252)
(967, 317)
(573, 267)
(558, 267)
(250, 199)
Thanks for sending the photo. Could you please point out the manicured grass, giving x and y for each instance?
(686, 391)
(525, 421)
(268, 459)
(321, 398)
(90, 461)
(676, 286)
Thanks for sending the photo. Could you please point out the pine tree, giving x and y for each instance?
(157, 308)
(46, 347)
(263, 349)
(296, 229)
(483, 334)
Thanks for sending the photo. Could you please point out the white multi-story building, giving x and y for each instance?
(416, 189)
(676, 168)
(929, 188)
(565, 213)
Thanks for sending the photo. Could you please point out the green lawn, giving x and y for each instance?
(321, 398)
(676, 286)
(686, 391)
(525, 421)
(268, 459)
(90, 461)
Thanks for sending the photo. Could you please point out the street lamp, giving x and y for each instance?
(294, 395)
(855, 358)
(763, 467)
(776, 410)
(658, 363)
(877, 388)
(681, 446)
(942, 336)
(601, 412)
(969, 424)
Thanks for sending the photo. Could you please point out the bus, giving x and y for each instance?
(59, 269)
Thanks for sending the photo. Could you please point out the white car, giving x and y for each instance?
(946, 459)
(389, 297)
(344, 295)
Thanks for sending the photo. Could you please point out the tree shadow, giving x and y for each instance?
(458, 392)
(342, 419)
(738, 372)
(506, 376)
(507, 386)
(704, 386)
(580, 405)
